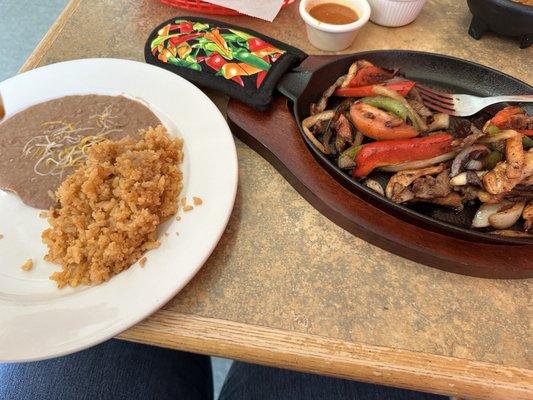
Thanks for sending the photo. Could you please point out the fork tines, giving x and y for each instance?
(436, 100)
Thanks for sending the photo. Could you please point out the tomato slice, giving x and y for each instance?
(370, 75)
(379, 125)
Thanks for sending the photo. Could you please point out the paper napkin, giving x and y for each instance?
(264, 9)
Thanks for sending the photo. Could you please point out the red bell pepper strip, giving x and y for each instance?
(261, 75)
(402, 87)
(238, 79)
(527, 132)
(256, 44)
(185, 27)
(216, 61)
(176, 40)
(260, 78)
(504, 115)
(391, 152)
(378, 124)
(370, 75)
(274, 57)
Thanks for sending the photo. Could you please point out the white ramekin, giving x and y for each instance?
(395, 12)
(333, 37)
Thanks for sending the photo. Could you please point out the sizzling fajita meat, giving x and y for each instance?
(382, 124)
(429, 187)
(452, 199)
(402, 180)
(323, 102)
(460, 144)
(344, 133)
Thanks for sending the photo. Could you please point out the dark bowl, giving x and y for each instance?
(504, 17)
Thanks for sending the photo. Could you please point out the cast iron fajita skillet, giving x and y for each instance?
(448, 73)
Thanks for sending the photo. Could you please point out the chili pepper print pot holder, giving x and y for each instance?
(241, 63)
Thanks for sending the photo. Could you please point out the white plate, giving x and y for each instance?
(39, 321)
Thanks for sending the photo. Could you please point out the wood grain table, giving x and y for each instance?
(287, 287)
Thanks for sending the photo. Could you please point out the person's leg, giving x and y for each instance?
(112, 370)
(254, 382)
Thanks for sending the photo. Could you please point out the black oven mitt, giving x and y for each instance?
(239, 62)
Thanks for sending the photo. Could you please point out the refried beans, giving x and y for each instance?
(44, 144)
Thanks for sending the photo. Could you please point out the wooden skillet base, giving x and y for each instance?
(275, 136)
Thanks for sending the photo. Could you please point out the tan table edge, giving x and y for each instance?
(312, 353)
(50, 37)
(304, 352)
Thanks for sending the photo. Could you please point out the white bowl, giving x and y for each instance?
(332, 37)
(395, 12)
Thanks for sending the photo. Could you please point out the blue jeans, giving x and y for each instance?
(119, 370)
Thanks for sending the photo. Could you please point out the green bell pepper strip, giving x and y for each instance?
(246, 57)
(527, 142)
(233, 48)
(491, 159)
(242, 35)
(184, 63)
(346, 158)
(215, 48)
(492, 129)
(160, 39)
(191, 60)
(391, 105)
(198, 26)
(231, 37)
(352, 151)
(201, 41)
(194, 53)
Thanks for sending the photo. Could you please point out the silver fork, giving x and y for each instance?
(463, 105)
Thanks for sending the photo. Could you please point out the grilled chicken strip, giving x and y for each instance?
(514, 153)
(496, 181)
